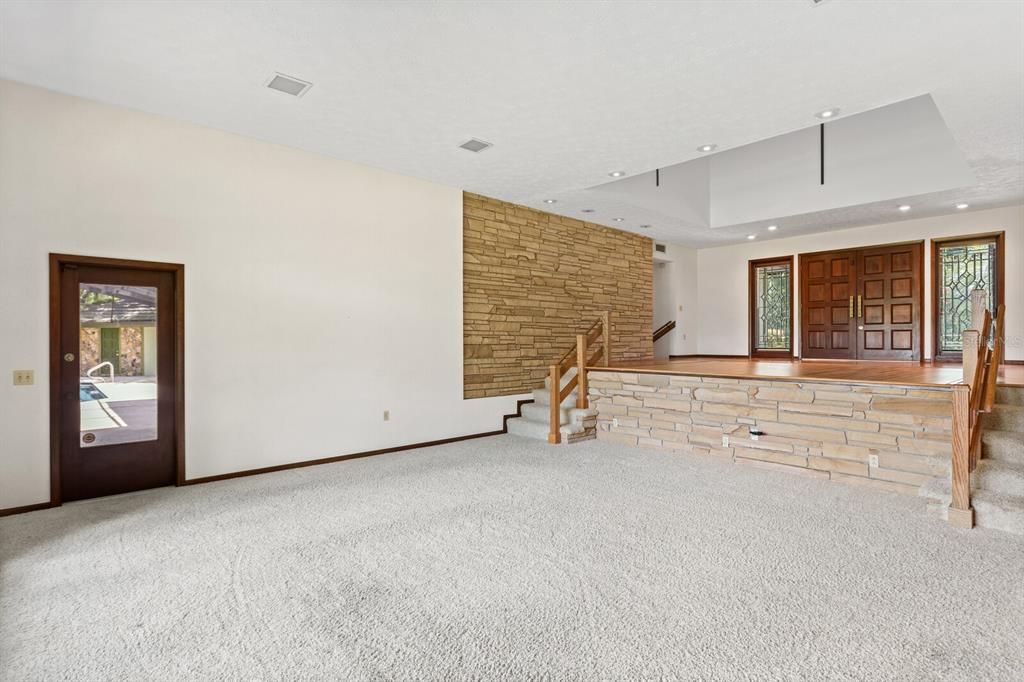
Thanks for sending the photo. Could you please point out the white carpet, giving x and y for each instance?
(504, 558)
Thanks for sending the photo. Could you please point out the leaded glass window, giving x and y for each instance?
(772, 306)
(962, 268)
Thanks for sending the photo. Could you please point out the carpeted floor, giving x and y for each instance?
(504, 558)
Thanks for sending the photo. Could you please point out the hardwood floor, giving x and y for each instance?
(843, 371)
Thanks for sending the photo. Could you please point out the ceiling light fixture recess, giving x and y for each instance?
(288, 85)
(751, 236)
(617, 174)
(904, 208)
(772, 228)
(551, 201)
(645, 227)
(827, 113)
(618, 220)
(962, 206)
(707, 147)
(587, 210)
(476, 146)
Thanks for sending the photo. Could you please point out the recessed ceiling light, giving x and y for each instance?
(551, 201)
(617, 174)
(476, 146)
(962, 206)
(828, 113)
(618, 220)
(904, 208)
(644, 227)
(707, 147)
(587, 210)
(751, 236)
(773, 227)
(288, 85)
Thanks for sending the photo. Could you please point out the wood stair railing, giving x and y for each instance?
(577, 356)
(664, 329)
(970, 401)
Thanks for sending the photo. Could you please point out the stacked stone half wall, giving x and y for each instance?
(833, 431)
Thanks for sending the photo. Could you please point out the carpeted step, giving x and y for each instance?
(996, 476)
(542, 396)
(569, 415)
(1005, 446)
(1009, 395)
(991, 509)
(1005, 418)
(539, 430)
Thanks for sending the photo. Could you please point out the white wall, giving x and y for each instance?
(675, 298)
(722, 273)
(318, 292)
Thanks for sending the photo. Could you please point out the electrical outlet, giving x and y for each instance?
(387, 415)
(24, 377)
(725, 441)
(615, 422)
(873, 461)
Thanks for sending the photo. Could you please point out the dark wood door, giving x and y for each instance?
(889, 303)
(862, 304)
(827, 289)
(117, 380)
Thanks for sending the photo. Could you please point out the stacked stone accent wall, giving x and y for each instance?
(814, 429)
(533, 280)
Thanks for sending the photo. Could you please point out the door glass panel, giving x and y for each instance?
(963, 268)
(771, 312)
(117, 364)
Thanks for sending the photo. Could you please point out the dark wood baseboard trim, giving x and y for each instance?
(11, 511)
(707, 355)
(1012, 362)
(519, 413)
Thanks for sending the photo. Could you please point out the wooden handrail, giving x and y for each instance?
(970, 401)
(664, 329)
(580, 357)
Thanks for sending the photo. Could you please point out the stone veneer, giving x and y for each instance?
(533, 280)
(812, 428)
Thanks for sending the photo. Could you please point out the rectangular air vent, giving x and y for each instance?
(288, 85)
(475, 145)
(660, 248)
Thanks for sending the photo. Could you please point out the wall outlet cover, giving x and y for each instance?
(725, 441)
(873, 461)
(24, 377)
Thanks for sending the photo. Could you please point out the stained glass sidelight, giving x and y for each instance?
(772, 311)
(963, 268)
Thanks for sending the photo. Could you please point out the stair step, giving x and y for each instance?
(1005, 478)
(566, 378)
(1009, 395)
(542, 396)
(991, 509)
(1005, 446)
(1005, 418)
(539, 430)
(542, 414)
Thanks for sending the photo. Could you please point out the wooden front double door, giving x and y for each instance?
(862, 304)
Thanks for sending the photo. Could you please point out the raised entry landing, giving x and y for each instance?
(846, 371)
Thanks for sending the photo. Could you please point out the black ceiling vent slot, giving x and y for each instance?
(660, 248)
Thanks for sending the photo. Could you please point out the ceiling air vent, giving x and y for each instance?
(288, 85)
(660, 248)
(475, 145)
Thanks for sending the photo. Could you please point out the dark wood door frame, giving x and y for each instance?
(752, 350)
(918, 246)
(1000, 239)
(57, 262)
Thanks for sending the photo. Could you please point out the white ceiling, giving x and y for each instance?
(567, 91)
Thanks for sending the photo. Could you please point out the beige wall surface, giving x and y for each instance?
(319, 293)
(533, 280)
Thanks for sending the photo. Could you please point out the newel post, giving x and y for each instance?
(606, 338)
(555, 431)
(581, 371)
(961, 514)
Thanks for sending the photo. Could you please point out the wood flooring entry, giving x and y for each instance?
(862, 304)
(116, 376)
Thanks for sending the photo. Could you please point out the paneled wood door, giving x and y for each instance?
(862, 304)
(827, 291)
(889, 302)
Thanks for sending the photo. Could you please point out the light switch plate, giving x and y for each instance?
(24, 377)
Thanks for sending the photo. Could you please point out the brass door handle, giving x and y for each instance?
(860, 306)
(851, 306)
